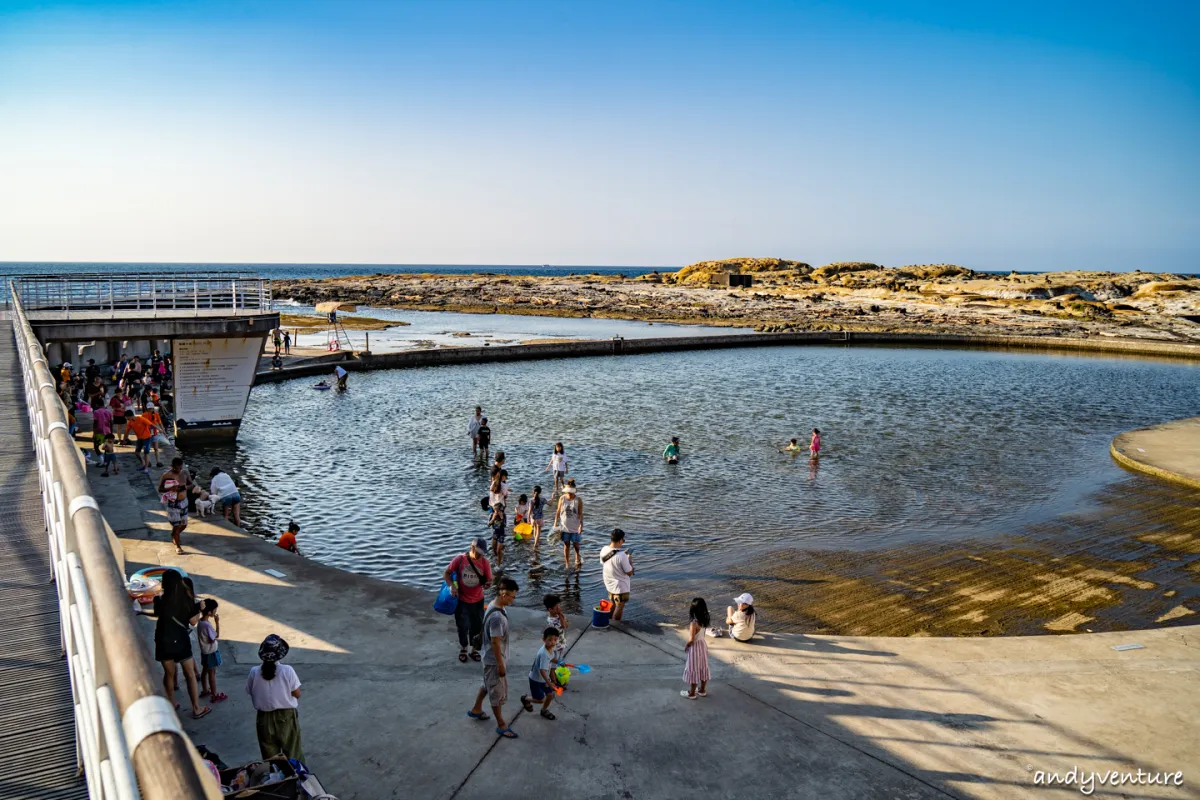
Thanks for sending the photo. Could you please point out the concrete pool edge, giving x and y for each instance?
(1170, 451)
(610, 347)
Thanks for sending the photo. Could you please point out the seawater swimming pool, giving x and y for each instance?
(922, 447)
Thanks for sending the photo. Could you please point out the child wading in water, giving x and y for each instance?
(558, 465)
(696, 669)
(498, 492)
(792, 447)
(671, 452)
(814, 447)
(521, 513)
(208, 633)
(537, 509)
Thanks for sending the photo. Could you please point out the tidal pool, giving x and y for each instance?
(922, 448)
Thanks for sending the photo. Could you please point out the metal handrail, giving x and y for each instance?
(127, 734)
(117, 294)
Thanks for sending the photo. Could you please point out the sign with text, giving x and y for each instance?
(212, 381)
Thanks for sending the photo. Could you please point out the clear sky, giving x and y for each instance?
(1016, 134)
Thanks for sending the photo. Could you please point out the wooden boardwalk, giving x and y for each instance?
(37, 721)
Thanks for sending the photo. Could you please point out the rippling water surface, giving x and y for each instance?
(918, 445)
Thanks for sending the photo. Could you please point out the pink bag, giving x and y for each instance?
(84, 407)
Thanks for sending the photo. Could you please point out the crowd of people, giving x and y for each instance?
(273, 687)
(483, 629)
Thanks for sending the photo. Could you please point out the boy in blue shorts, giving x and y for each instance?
(540, 688)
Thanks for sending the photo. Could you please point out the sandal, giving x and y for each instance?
(525, 702)
(462, 656)
(475, 655)
(204, 712)
(547, 714)
(507, 733)
(702, 693)
(684, 693)
(481, 716)
(219, 696)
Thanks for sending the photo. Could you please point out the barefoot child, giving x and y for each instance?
(558, 463)
(208, 633)
(522, 511)
(696, 669)
(498, 491)
(540, 686)
(671, 452)
(176, 502)
(814, 447)
(792, 447)
(109, 456)
(537, 509)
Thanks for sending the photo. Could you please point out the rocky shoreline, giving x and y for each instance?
(790, 295)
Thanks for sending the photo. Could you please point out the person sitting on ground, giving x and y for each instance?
(288, 540)
(740, 618)
(223, 487)
(671, 453)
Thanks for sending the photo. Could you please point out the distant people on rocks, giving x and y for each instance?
(222, 486)
(495, 659)
(671, 453)
(176, 610)
(288, 540)
(473, 429)
(274, 689)
(618, 569)
(467, 575)
(568, 519)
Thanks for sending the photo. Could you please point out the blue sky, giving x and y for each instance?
(1013, 135)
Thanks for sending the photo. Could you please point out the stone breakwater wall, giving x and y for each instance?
(611, 347)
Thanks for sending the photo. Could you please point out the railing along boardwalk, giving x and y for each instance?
(37, 715)
(126, 737)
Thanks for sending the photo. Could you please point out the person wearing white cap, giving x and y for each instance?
(740, 618)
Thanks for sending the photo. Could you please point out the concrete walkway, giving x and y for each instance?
(1170, 451)
(385, 700)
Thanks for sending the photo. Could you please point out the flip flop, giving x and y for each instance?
(463, 656)
(203, 713)
(547, 714)
(507, 733)
(482, 716)
(475, 655)
(684, 693)
(219, 696)
(702, 693)
(525, 702)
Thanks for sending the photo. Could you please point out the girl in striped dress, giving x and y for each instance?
(696, 669)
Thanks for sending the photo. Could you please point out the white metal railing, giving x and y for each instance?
(114, 294)
(126, 733)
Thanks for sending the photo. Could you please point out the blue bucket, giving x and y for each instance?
(600, 619)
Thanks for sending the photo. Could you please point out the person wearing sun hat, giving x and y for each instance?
(274, 689)
(740, 618)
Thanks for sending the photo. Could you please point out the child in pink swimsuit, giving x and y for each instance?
(814, 448)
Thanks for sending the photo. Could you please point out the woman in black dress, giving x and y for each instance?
(177, 611)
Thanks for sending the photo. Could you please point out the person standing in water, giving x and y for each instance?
(814, 447)
(671, 453)
(569, 519)
(341, 376)
(473, 429)
(558, 464)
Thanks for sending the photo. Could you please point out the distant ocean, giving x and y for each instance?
(294, 271)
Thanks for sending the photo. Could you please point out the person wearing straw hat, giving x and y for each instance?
(568, 519)
(274, 689)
